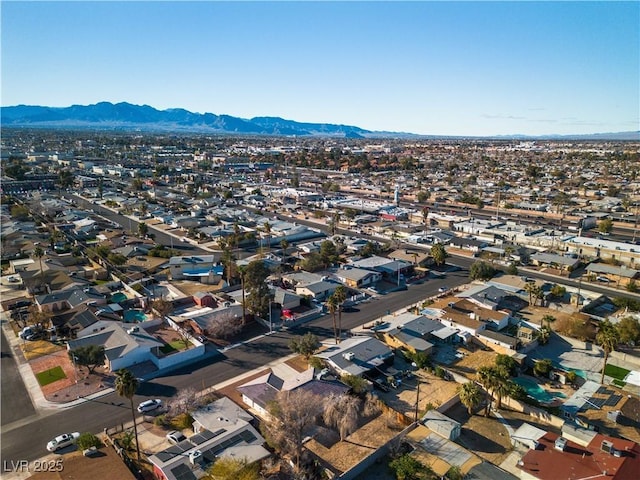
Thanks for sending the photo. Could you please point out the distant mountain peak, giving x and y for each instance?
(122, 115)
(127, 116)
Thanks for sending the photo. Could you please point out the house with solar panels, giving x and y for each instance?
(224, 430)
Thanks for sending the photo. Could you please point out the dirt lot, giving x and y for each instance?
(486, 437)
(107, 466)
(433, 390)
(190, 288)
(472, 362)
(342, 455)
(40, 348)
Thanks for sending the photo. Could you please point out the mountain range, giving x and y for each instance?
(126, 116)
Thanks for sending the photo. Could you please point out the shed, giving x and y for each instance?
(442, 425)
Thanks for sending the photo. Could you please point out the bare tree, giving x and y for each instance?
(371, 405)
(39, 318)
(224, 326)
(162, 307)
(185, 401)
(185, 335)
(292, 414)
(342, 413)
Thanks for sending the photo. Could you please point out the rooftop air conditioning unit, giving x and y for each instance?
(349, 356)
(606, 446)
(194, 457)
(561, 443)
(133, 330)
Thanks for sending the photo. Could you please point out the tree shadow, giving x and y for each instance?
(150, 389)
(475, 442)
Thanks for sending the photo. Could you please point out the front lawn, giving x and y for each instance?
(49, 376)
(613, 371)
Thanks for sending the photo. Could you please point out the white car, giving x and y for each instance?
(176, 437)
(149, 405)
(443, 289)
(62, 441)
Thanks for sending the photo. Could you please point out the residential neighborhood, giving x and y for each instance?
(320, 308)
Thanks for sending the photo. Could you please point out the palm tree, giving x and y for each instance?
(425, 217)
(548, 319)
(494, 380)
(529, 288)
(126, 385)
(608, 338)
(340, 294)
(501, 388)
(470, 396)
(267, 230)
(332, 305)
(538, 294)
(284, 244)
(39, 253)
(485, 376)
(439, 254)
(236, 234)
(242, 270)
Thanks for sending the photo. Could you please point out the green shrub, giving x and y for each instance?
(421, 359)
(357, 384)
(88, 440)
(316, 363)
(127, 440)
(182, 421)
(161, 420)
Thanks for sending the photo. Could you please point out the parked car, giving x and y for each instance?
(175, 437)
(62, 441)
(603, 279)
(149, 405)
(29, 333)
(13, 279)
(443, 289)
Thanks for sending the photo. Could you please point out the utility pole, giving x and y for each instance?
(417, 401)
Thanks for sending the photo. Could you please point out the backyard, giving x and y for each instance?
(617, 373)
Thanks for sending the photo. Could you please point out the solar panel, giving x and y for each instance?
(599, 402)
(183, 472)
(165, 456)
(613, 400)
(247, 436)
(205, 435)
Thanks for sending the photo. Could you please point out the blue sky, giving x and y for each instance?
(443, 68)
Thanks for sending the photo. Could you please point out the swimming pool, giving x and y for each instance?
(133, 316)
(536, 391)
(118, 297)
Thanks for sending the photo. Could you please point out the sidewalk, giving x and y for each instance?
(32, 385)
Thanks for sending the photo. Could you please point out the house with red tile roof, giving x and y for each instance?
(602, 458)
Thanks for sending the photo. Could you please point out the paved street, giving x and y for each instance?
(14, 398)
(26, 439)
